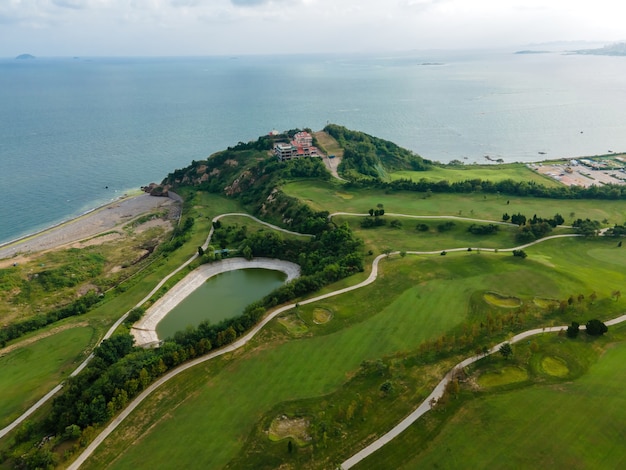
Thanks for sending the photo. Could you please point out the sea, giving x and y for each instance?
(76, 133)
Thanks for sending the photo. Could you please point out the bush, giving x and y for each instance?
(596, 328)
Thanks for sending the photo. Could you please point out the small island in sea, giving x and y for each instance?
(25, 57)
(617, 49)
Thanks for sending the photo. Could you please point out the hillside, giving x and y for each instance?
(366, 156)
(400, 280)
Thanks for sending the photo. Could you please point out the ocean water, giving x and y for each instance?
(77, 133)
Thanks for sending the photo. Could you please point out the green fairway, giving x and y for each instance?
(423, 299)
(333, 197)
(324, 379)
(29, 372)
(495, 173)
(577, 424)
(405, 236)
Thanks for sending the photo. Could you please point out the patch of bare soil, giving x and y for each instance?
(296, 428)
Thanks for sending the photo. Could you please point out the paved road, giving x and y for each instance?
(10, 427)
(245, 339)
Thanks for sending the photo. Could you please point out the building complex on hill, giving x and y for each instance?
(300, 146)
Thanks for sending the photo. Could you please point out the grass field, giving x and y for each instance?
(28, 373)
(495, 173)
(421, 315)
(423, 299)
(333, 197)
(31, 371)
(407, 237)
(574, 423)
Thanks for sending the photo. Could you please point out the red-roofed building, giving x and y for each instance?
(300, 146)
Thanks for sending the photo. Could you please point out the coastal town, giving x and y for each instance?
(585, 172)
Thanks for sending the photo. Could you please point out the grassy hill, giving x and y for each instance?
(323, 380)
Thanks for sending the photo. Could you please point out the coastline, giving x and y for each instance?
(88, 224)
(67, 221)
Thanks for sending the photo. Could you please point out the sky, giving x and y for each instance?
(234, 27)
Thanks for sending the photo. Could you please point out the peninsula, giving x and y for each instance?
(396, 341)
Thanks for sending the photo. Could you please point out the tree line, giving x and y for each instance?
(119, 371)
(508, 186)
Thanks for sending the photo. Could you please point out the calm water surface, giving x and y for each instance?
(220, 297)
(76, 133)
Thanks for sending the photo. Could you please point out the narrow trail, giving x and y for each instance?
(242, 341)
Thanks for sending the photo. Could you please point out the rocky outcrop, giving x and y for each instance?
(156, 190)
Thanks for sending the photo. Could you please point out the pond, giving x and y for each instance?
(222, 296)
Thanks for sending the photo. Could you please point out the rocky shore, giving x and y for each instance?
(100, 220)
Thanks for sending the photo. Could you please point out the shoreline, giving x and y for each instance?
(88, 224)
(37, 233)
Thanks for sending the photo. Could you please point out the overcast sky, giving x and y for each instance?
(212, 27)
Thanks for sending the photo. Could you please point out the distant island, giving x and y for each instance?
(618, 49)
(532, 52)
(25, 57)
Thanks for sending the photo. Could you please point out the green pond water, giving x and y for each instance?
(220, 297)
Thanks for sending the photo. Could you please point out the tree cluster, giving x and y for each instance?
(616, 231)
(370, 157)
(120, 371)
(587, 227)
(508, 186)
(77, 307)
(488, 229)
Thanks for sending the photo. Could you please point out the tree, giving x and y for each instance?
(596, 328)
(506, 350)
(247, 252)
(558, 219)
(520, 253)
(573, 330)
(505, 217)
(200, 251)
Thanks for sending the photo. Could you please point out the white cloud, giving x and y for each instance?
(150, 27)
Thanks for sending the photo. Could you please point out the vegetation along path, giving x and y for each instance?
(425, 406)
(10, 427)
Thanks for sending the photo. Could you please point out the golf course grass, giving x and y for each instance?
(512, 171)
(560, 424)
(333, 197)
(335, 374)
(414, 300)
(29, 372)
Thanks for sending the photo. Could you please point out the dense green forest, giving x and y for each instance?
(368, 157)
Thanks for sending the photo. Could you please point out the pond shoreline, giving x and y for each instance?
(144, 331)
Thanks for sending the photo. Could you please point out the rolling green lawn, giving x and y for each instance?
(495, 173)
(29, 372)
(333, 197)
(415, 299)
(575, 424)
(407, 238)
(205, 416)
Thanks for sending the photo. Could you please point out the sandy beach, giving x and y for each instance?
(100, 220)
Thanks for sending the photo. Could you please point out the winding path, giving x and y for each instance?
(242, 341)
(10, 427)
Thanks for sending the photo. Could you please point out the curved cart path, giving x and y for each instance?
(438, 392)
(10, 427)
(244, 339)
